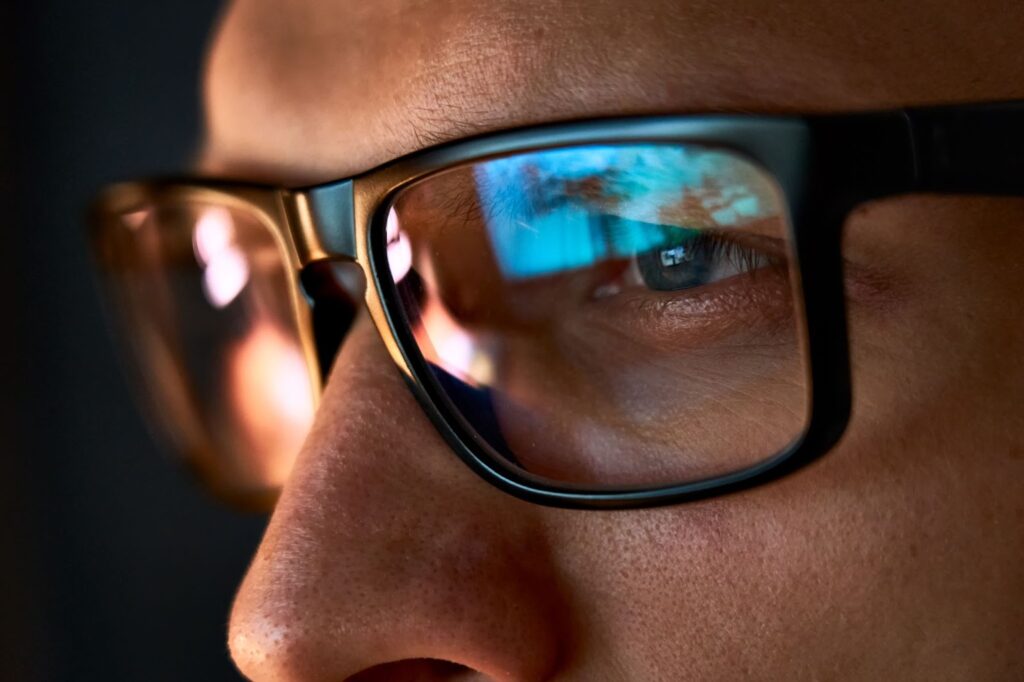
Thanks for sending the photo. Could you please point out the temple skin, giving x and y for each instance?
(896, 557)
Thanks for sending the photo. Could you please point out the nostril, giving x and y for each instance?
(419, 670)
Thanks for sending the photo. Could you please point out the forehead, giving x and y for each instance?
(308, 90)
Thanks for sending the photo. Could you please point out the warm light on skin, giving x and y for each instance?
(269, 388)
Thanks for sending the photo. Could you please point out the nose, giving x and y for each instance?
(387, 559)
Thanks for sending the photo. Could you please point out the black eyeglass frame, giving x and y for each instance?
(825, 165)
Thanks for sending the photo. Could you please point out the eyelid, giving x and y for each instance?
(755, 236)
(774, 248)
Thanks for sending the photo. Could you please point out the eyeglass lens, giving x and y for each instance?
(204, 293)
(607, 316)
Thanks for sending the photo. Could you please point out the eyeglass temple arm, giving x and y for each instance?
(975, 149)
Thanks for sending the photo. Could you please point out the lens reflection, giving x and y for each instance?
(202, 293)
(615, 315)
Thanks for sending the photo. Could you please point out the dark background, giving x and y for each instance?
(112, 565)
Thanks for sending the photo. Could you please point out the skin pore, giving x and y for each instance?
(897, 556)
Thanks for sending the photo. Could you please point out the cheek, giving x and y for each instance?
(941, 355)
(712, 587)
(821, 568)
(901, 542)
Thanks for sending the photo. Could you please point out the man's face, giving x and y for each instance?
(897, 556)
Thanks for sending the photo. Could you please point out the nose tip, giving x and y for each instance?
(387, 559)
(446, 616)
(252, 649)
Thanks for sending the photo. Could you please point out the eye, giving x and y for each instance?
(675, 258)
(697, 258)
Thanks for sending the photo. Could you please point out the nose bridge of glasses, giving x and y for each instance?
(322, 222)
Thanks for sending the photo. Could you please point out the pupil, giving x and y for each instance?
(674, 256)
(672, 268)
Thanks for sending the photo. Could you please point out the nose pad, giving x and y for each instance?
(335, 290)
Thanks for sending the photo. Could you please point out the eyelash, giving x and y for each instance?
(714, 245)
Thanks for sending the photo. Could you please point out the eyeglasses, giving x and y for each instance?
(602, 314)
